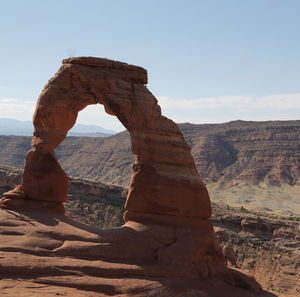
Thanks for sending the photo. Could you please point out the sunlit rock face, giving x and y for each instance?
(167, 207)
(164, 179)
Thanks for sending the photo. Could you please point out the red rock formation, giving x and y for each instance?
(166, 193)
(62, 257)
(165, 179)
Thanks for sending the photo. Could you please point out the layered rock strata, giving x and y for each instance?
(166, 195)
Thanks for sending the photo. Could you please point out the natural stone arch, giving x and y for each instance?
(167, 204)
(164, 179)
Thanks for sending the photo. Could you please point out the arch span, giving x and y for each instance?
(164, 178)
(167, 205)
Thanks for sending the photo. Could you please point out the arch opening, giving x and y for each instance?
(105, 158)
(95, 115)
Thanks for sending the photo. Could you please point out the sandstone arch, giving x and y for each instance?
(167, 205)
(164, 179)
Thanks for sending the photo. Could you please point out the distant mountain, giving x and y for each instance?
(81, 129)
(25, 128)
(15, 127)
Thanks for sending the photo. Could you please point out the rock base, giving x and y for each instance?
(57, 255)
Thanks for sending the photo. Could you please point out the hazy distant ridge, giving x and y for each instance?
(25, 128)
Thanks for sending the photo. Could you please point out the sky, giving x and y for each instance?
(208, 61)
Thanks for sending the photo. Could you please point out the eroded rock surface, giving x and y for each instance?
(52, 255)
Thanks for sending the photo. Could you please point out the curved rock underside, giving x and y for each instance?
(167, 207)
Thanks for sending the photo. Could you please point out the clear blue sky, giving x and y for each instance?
(207, 61)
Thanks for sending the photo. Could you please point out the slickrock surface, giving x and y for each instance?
(52, 255)
(166, 233)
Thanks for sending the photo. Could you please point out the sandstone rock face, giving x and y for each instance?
(164, 180)
(61, 257)
(167, 206)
